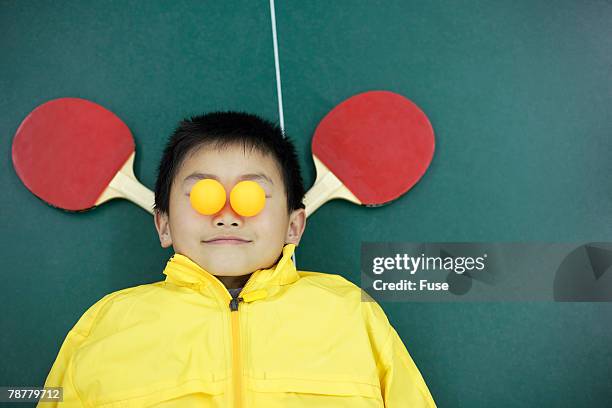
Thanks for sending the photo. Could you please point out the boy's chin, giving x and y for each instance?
(223, 268)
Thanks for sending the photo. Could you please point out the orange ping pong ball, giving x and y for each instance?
(207, 196)
(247, 198)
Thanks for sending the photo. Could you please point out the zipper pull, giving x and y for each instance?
(234, 303)
(248, 297)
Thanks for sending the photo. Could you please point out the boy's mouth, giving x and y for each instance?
(226, 240)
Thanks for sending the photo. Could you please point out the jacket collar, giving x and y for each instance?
(181, 270)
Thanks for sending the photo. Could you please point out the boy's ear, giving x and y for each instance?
(297, 224)
(163, 228)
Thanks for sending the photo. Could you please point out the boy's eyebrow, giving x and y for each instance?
(249, 176)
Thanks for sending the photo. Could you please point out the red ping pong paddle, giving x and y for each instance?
(75, 155)
(370, 149)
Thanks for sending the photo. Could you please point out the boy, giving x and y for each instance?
(234, 324)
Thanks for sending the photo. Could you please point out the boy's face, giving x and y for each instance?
(192, 234)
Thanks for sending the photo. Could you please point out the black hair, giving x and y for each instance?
(225, 129)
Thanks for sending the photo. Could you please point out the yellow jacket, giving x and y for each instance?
(292, 339)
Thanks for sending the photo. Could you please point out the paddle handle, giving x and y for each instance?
(326, 187)
(125, 185)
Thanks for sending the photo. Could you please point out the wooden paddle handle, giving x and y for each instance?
(326, 187)
(125, 185)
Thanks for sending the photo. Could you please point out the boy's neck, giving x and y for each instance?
(233, 282)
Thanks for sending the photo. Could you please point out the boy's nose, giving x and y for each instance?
(227, 216)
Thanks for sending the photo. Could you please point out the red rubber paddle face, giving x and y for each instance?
(67, 151)
(379, 144)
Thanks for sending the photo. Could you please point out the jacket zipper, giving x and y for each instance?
(235, 324)
(236, 355)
